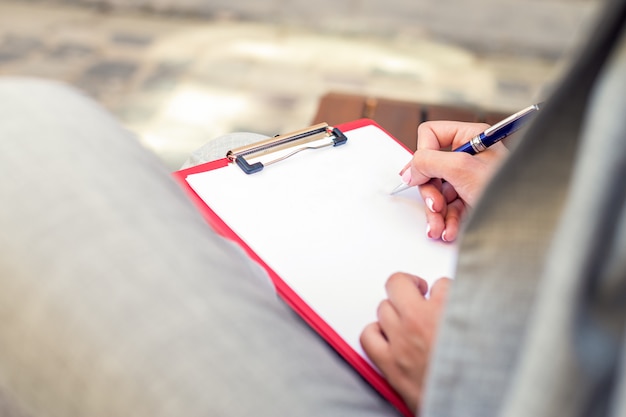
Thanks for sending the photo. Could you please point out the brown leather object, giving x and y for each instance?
(400, 118)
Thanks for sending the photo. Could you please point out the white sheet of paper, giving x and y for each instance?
(324, 221)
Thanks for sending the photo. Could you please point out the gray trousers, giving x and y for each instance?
(116, 298)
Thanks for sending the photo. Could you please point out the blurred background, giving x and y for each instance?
(182, 72)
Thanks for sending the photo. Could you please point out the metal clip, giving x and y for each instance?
(296, 142)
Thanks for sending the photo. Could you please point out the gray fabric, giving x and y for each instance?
(573, 345)
(116, 299)
(534, 322)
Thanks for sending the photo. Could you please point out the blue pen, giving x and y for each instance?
(492, 135)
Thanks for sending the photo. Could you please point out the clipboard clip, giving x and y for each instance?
(314, 137)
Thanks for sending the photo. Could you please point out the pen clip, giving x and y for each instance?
(291, 143)
(510, 120)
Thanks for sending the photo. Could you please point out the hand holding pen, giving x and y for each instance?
(451, 181)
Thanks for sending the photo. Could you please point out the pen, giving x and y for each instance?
(492, 135)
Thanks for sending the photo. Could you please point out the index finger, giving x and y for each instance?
(443, 134)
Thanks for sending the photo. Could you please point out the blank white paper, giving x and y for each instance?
(325, 222)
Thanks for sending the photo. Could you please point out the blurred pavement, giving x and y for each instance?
(180, 73)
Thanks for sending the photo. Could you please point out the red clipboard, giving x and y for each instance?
(288, 295)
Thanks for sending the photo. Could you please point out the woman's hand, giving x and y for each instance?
(450, 182)
(400, 342)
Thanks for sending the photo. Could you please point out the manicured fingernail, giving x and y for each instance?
(443, 236)
(431, 204)
(406, 177)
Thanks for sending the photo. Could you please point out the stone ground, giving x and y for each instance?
(181, 73)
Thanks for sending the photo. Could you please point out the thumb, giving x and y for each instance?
(439, 290)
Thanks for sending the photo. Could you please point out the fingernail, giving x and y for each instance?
(428, 230)
(406, 177)
(431, 204)
(443, 236)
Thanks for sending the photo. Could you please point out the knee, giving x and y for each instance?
(29, 88)
(42, 117)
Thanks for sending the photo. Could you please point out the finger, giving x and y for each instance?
(448, 191)
(435, 224)
(388, 319)
(439, 290)
(443, 134)
(432, 195)
(405, 291)
(422, 284)
(404, 168)
(435, 203)
(452, 220)
(375, 346)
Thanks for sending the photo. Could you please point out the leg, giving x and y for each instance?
(117, 299)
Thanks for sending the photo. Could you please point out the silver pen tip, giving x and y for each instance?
(399, 188)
